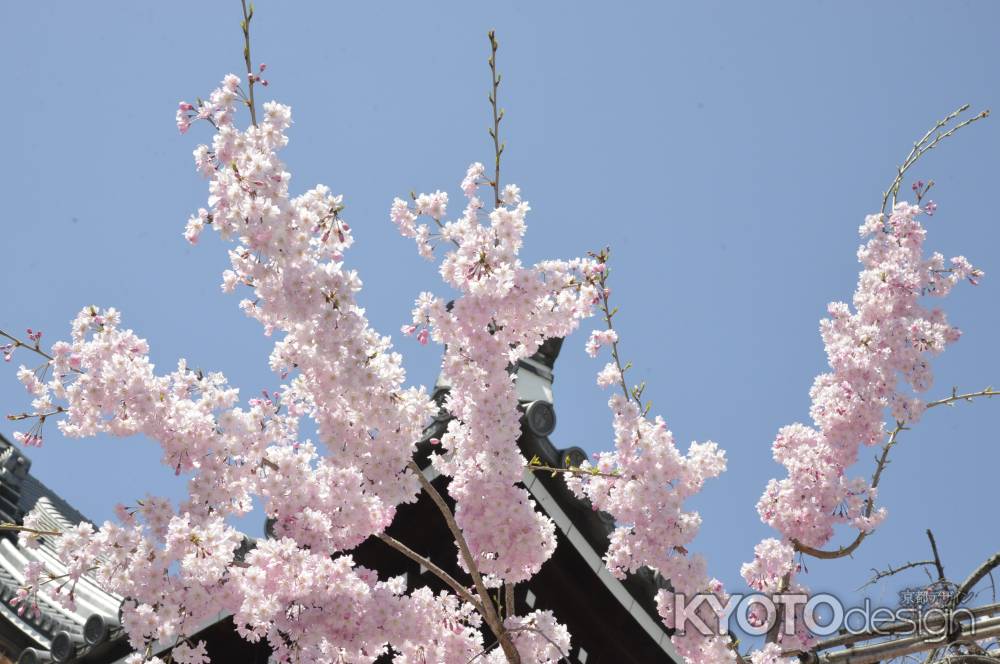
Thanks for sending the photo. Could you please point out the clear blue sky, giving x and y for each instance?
(726, 151)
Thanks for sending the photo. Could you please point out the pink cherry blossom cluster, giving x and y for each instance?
(503, 313)
(643, 484)
(888, 336)
(180, 565)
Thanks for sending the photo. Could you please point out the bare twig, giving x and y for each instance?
(251, 77)
(498, 146)
(890, 571)
(33, 347)
(968, 396)
(937, 558)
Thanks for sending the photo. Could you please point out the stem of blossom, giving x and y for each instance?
(883, 461)
(247, 16)
(497, 116)
(434, 569)
(489, 611)
(924, 145)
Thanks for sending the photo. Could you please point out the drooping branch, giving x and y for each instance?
(880, 465)
(928, 142)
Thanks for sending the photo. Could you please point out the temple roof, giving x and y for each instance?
(20, 492)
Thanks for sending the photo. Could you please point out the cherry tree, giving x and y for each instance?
(299, 590)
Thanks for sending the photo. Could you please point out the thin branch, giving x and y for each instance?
(968, 396)
(573, 470)
(869, 507)
(251, 77)
(880, 466)
(24, 529)
(937, 558)
(926, 144)
(524, 628)
(434, 569)
(882, 574)
(34, 348)
(498, 147)
(605, 306)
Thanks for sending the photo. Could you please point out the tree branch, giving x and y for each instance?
(23, 529)
(489, 610)
(937, 558)
(882, 574)
(882, 462)
(251, 77)
(498, 147)
(926, 144)
(434, 569)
